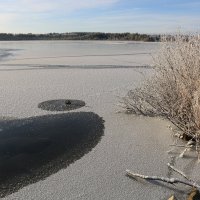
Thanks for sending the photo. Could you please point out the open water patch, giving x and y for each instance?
(32, 149)
(61, 105)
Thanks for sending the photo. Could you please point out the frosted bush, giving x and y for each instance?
(174, 90)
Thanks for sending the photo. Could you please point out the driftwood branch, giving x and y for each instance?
(163, 179)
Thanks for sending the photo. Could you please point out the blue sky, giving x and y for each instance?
(143, 16)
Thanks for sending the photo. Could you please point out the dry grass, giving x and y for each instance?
(174, 90)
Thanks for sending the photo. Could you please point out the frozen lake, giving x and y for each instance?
(98, 73)
(92, 53)
(35, 71)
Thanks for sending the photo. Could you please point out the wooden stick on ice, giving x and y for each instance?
(163, 179)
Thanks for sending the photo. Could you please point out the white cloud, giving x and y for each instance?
(16, 13)
(135, 22)
(54, 16)
(21, 6)
(6, 18)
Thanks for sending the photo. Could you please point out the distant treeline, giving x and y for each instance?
(80, 36)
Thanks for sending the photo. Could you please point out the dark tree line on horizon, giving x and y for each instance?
(80, 36)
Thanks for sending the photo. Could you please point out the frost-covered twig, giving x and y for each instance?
(163, 179)
(178, 171)
(190, 144)
(174, 145)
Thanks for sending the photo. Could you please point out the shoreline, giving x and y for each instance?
(81, 36)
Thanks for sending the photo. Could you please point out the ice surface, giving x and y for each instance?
(130, 142)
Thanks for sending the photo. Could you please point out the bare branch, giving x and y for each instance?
(178, 171)
(163, 179)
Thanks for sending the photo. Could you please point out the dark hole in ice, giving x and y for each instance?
(61, 105)
(32, 149)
